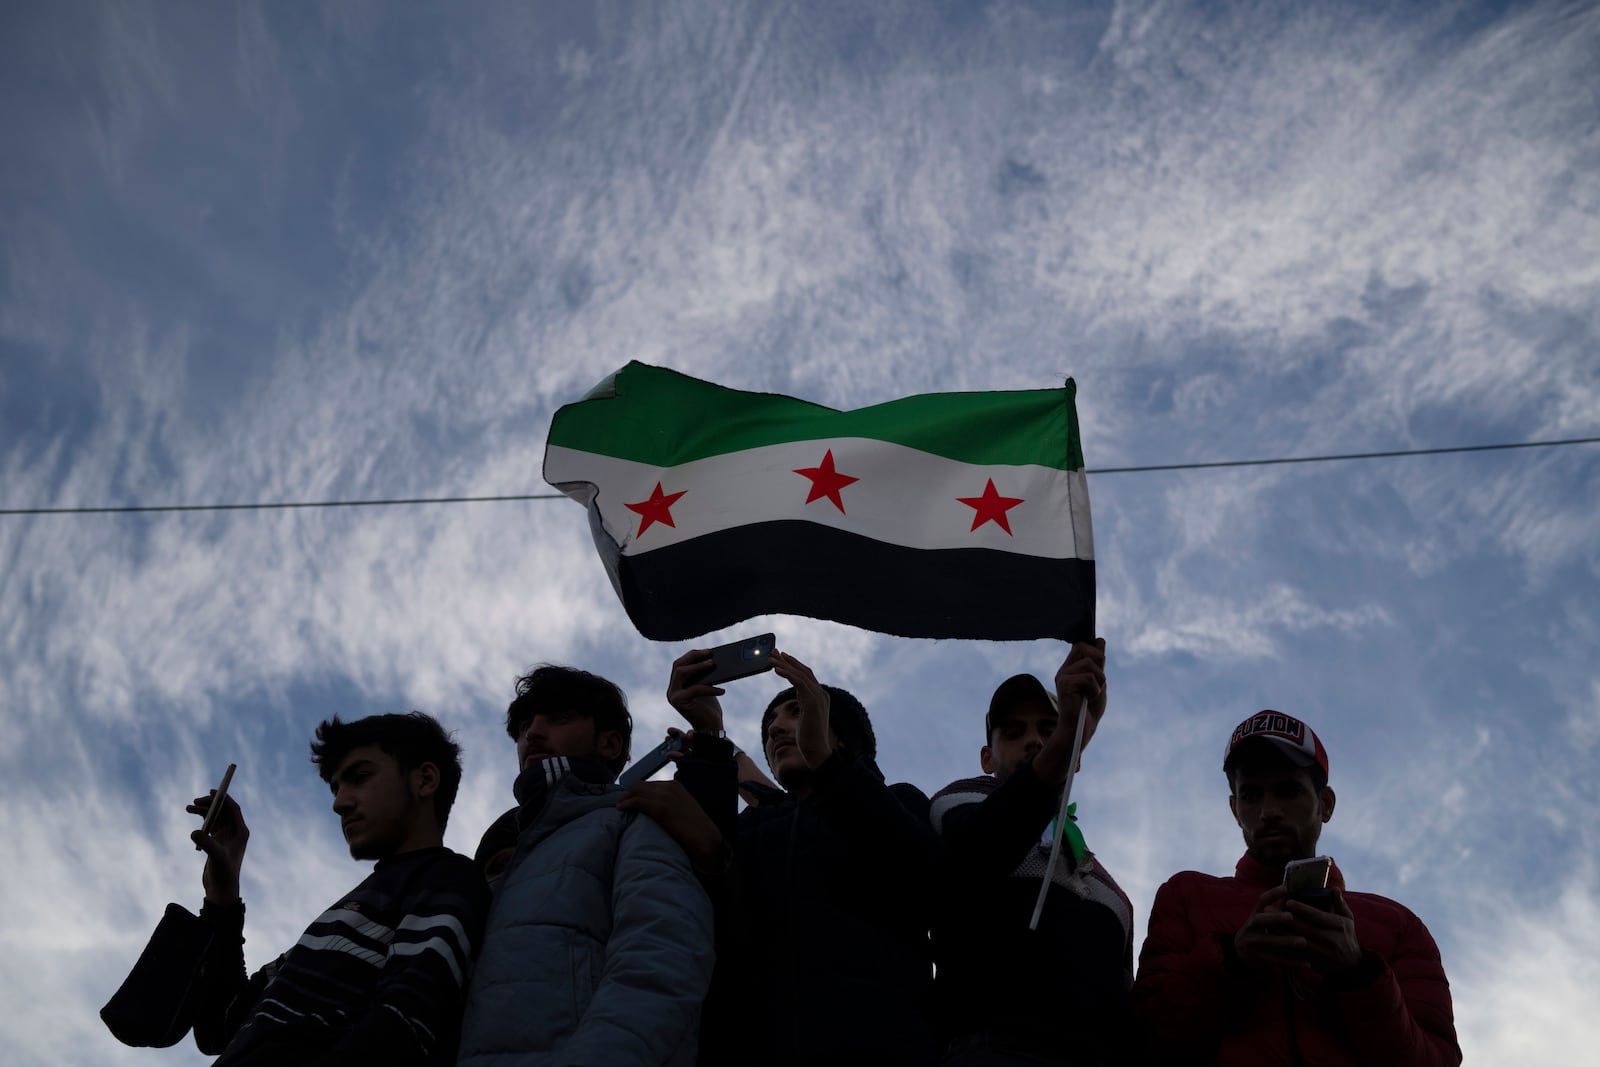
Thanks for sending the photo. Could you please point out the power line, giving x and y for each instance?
(285, 505)
(1347, 455)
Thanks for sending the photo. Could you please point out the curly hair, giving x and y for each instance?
(548, 687)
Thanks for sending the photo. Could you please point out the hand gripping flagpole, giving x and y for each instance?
(1061, 816)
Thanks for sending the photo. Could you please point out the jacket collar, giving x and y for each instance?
(541, 776)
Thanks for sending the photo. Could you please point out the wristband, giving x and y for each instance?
(725, 736)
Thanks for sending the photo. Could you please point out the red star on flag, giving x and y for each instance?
(991, 506)
(656, 509)
(826, 482)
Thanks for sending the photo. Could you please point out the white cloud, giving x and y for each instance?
(1524, 982)
(1309, 231)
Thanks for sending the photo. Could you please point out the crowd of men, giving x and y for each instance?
(833, 918)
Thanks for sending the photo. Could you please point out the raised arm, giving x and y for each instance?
(700, 708)
(1081, 677)
(222, 977)
(988, 828)
(883, 826)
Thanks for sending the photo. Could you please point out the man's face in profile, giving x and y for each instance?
(374, 802)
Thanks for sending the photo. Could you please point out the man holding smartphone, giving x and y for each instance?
(833, 873)
(379, 976)
(1238, 971)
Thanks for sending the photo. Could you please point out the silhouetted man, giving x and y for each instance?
(379, 976)
(1236, 971)
(599, 944)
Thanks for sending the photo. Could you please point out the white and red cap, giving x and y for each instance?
(1291, 737)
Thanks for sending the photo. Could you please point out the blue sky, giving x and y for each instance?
(291, 252)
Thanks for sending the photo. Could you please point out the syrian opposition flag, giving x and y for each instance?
(944, 515)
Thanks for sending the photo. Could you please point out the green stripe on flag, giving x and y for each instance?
(657, 416)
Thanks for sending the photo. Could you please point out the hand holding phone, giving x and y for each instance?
(740, 659)
(222, 836)
(218, 801)
(693, 689)
(1307, 881)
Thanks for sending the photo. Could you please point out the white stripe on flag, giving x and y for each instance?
(904, 496)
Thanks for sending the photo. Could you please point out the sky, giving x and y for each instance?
(294, 252)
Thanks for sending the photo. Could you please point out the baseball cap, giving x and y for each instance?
(1018, 689)
(1291, 737)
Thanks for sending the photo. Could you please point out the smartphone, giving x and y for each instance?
(651, 762)
(217, 801)
(739, 659)
(1307, 881)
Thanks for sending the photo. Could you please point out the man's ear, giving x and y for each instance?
(425, 781)
(986, 757)
(1233, 806)
(608, 744)
(1328, 800)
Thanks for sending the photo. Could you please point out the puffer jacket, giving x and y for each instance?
(598, 948)
(1196, 1005)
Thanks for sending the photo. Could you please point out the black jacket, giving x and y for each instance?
(833, 960)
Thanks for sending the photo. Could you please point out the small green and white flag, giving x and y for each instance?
(941, 515)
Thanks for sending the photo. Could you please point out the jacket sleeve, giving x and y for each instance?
(1405, 1013)
(416, 1006)
(657, 960)
(887, 827)
(710, 775)
(1187, 995)
(987, 838)
(221, 979)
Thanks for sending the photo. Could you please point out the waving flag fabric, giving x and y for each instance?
(942, 515)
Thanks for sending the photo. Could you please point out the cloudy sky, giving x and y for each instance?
(363, 250)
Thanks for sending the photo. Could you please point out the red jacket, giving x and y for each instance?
(1195, 1008)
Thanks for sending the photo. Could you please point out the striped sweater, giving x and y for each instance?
(1062, 988)
(379, 977)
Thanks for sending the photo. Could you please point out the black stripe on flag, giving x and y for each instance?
(802, 568)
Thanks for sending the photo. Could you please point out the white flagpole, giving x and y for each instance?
(1061, 817)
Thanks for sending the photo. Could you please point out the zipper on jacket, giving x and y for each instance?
(788, 929)
(1295, 1058)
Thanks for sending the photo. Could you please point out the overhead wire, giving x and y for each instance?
(397, 501)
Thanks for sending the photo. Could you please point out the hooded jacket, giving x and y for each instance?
(1196, 1003)
(598, 948)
